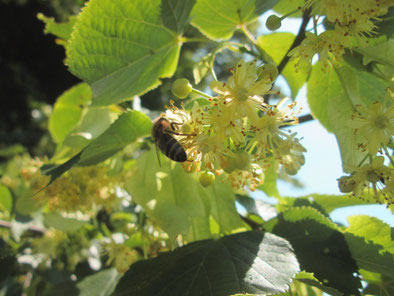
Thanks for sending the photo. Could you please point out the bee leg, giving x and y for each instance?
(179, 134)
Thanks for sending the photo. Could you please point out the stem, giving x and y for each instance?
(297, 41)
(201, 93)
(249, 35)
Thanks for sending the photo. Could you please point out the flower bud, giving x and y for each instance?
(267, 71)
(346, 184)
(273, 22)
(206, 178)
(181, 88)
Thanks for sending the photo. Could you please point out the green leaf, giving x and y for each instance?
(68, 110)
(170, 196)
(382, 53)
(370, 256)
(340, 111)
(62, 223)
(286, 6)
(360, 87)
(277, 45)
(319, 246)
(175, 13)
(269, 186)
(327, 201)
(219, 19)
(122, 49)
(100, 284)
(129, 126)
(60, 30)
(89, 127)
(5, 199)
(253, 262)
(377, 284)
(372, 229)
(322, 87)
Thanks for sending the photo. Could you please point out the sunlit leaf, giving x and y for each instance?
(322, 87)
(122, 49)
(253, 262)
(320, 247)
(286, 6)
(382, 53)
(257, 207)
(218, 20)
(68, 110)
(175, 13)
(372, 229)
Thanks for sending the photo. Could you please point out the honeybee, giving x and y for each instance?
(168, 145)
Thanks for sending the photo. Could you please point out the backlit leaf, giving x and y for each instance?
(175, 13)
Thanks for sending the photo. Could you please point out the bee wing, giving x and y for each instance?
(158, 155)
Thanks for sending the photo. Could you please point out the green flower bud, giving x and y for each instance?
(346, 184)
(206, 178)
(267, 71)
(273, 22)
(291, 171)
(181, 88)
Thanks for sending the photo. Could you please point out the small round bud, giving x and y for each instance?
(267, 71)
(181, 88)
(227, 164)
(291, 171)
(346, 184)
(242, 160)
(206, 178)
(273, 22)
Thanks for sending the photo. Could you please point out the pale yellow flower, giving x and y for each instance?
(375, 124)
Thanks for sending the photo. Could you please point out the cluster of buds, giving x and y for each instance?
(236, 132)
(352, 22)
(374, 126)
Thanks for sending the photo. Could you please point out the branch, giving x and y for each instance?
(297, 41)
(34, 228)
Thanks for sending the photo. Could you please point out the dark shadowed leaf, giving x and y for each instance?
(319, 246)
(175, 13)
(252, 262)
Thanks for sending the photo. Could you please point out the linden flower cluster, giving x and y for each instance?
(237, 132)
(352, 20)
(374, 126)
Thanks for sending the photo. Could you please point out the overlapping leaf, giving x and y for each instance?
(253, 262)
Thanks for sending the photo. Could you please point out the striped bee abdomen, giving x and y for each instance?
(172, 148)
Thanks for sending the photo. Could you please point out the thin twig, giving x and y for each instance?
(34, 228)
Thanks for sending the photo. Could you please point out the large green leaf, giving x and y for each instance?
(277, 45)
(121, 48)
(219, 19)
(126, 129)
(327, 202)
(175, 13)
(382, 53)
(253, 262)
(370, 256)
(372, 229)
(322, 87)
(68, 110)
(177, 202)
(320, 247)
